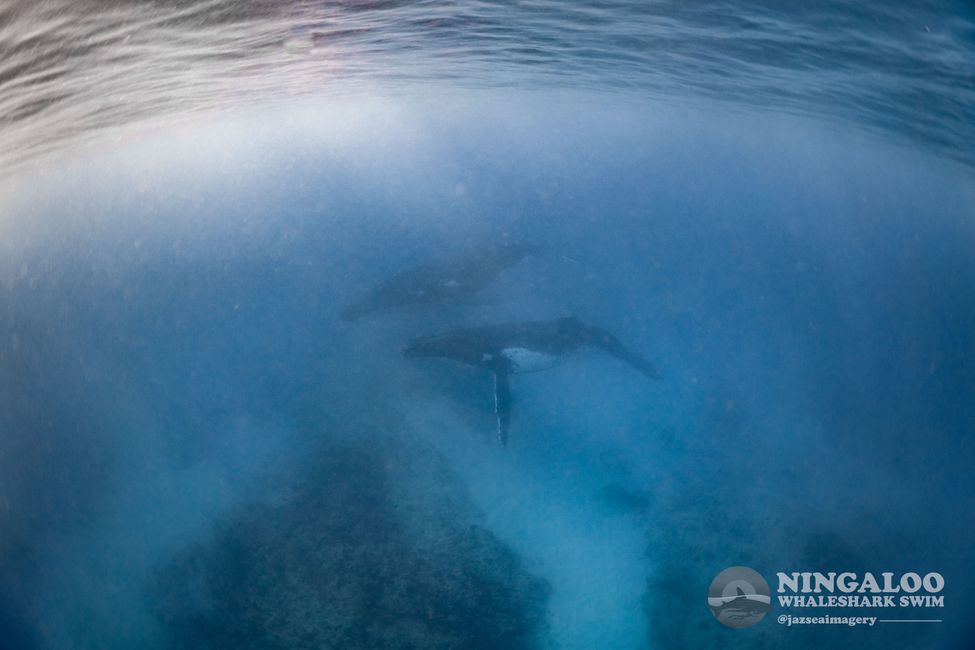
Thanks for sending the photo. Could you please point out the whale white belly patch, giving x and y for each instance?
(524, 360)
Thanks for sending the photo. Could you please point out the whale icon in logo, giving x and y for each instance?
(739, 597)
(741, 606)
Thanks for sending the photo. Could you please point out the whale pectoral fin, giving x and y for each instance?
(502, 402)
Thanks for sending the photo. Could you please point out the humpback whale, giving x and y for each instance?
(455, 279)
(520, 347)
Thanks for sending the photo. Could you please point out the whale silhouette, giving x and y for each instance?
(520, 347)
(451, 280)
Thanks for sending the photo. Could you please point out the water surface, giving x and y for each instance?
(772, 203)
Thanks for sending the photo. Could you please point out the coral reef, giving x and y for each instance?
(377, 547)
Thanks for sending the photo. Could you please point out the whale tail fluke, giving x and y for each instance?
(605, 341)
(646, 368)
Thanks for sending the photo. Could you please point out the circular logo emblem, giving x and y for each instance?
(739, 597)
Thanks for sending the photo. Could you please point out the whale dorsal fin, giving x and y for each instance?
(502, 401)
(740, 592)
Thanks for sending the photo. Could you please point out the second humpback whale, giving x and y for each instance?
(455, 279)
(519, 347)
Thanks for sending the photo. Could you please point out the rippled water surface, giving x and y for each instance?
(69, 70)
(269, 272)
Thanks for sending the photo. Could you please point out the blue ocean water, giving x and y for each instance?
(772, 203)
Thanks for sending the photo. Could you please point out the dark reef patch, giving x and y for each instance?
(377, 547)
(16, 632)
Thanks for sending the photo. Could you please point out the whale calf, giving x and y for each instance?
(519, 347)
(455, 279)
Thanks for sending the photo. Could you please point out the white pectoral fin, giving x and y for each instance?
(502, 402)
